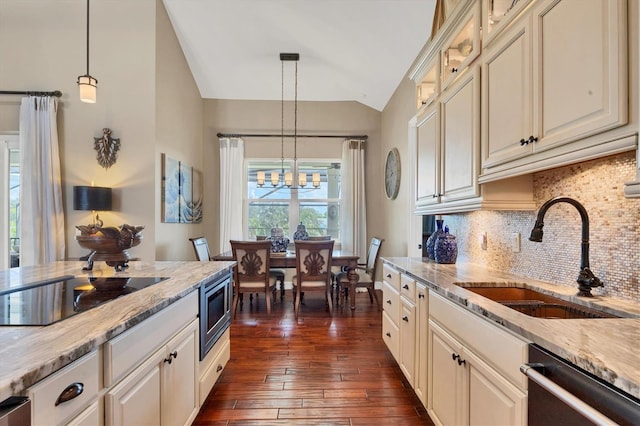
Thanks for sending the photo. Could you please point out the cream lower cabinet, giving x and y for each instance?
(420, 383)
(473, 376)
(404, 326)
(391, 310)
(151, 371)
(161, 391)
(407, 325)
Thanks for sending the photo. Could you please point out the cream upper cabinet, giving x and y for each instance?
(427, 178)
(428, 87)
(496, 16)
(462, 47)
(460, 137)
(507, 95)
(554, 85)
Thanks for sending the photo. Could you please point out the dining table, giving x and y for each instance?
(348, 261)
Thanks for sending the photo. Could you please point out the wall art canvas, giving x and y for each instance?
(181, 192)
(170, 189)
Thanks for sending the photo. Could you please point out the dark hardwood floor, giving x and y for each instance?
(319, 370)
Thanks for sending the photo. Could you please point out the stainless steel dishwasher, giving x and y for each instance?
(15, 411)
(562, 394)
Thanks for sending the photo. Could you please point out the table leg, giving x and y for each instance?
(353, 280)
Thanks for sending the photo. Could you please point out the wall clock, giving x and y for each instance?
(392, 174)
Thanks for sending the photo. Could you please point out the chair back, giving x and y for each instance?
(313, 262)
(320, 238)
(201, 248)
(252, 259)
(372, 256)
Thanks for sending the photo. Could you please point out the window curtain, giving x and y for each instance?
(231, 190)
(42, 236)
(353, 217)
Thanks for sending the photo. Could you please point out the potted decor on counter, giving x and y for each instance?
(446, 247)
(431, 241)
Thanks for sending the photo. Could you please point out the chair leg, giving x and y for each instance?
(296, 305)
(329, 303)
(370, 294)
(268, 302)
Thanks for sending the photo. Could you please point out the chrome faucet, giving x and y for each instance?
(586, 280)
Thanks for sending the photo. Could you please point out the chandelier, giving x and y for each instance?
(288, 176)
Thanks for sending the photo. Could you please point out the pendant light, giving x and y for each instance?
(288, 176)
(86, 83)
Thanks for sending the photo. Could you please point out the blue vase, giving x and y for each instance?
(431, 241)
(301, 233)
(446, 248)
(279, 242)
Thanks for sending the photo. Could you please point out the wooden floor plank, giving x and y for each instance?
(319, 370)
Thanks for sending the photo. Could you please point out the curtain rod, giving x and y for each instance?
(245, 135)
(55, 93)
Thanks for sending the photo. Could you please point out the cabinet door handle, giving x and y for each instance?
(406, 286)
(389, 301)
(454, 69)
(388, 275)
(455, 356)
(171, 356)
(461, 361)
(405, 318)
(532, 139)
(70, 392)
(524, 142)
(219, 369)
(420, 296)
(388, 334)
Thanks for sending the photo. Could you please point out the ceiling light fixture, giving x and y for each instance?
(288, 176)
(87, 84)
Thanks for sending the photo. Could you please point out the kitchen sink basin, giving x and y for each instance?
(536, 304)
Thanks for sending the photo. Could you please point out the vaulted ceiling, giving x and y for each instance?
(350, 50)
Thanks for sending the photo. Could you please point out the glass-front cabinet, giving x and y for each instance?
(428, 87)
(462, 47)
(496, 14)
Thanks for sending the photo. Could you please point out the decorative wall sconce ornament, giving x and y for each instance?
(107, 148)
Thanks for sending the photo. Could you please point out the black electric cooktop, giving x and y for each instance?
(54, 301)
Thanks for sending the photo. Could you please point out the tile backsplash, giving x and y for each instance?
(614, 229)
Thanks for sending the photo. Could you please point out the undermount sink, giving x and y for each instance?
(534, 303)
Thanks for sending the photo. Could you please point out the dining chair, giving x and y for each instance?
(313, 271)
(251, 274)
(201, 248)
(366, 274)
(320, 238)
(276, 273)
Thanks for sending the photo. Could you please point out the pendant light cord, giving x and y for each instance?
(282, 120)
(295, 121)
(88, 37)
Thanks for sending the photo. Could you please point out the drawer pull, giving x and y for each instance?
(388, 275)
(406, 286)
(420, 296)
(219, 369)
(172, 355)
(405, 318)
(70, 392)
(455, 356)
(461, 361)
(389, 301)
(388, 334)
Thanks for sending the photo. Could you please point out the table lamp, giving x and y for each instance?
(94, 198)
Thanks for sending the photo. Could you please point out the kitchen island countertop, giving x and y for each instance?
(606, 348)
(30, 353)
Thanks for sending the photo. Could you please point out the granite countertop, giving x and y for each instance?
(607, 348)
(30, 353)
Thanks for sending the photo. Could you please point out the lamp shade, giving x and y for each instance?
(91, 198)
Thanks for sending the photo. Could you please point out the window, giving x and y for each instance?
(268, 206)
(10, 200)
